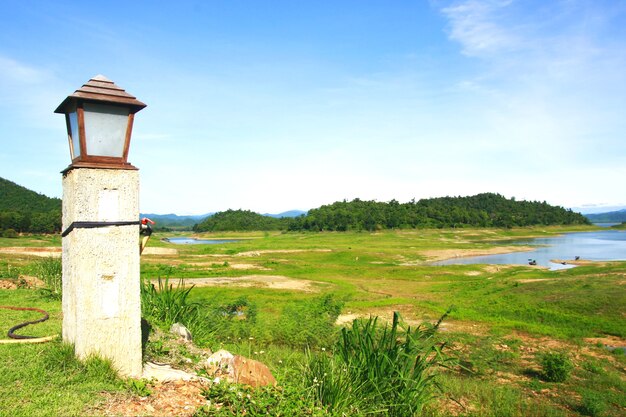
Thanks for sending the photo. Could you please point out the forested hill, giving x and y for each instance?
(482, 210)
(23, 210)
(240, 220)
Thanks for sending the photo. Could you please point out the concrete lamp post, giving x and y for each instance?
(101, 295)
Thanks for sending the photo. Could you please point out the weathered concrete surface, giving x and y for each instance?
(101, 301)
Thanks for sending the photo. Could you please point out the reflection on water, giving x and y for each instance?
(606, 245)
(192, 241)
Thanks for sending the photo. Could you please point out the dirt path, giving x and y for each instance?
(43, 252)
(276, 282)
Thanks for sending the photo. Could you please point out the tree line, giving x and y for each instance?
(482, 210)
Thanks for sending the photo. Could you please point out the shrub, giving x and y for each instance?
(556, 367)
(378, 370)
(9, 233)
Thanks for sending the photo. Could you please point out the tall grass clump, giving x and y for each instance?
(167, 304)
(50, 271)
(379, 371)
(8, 271)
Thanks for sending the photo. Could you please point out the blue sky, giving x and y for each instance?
(278, 105)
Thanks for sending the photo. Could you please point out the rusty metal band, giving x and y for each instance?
(92, 225)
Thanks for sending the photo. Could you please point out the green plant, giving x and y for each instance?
(240, 400)
(379, 370)
(9, 233)
(50, 271)
(167, 304)
(308, 324)
(556, 366)
(592, 404)
(138, 387)
(8, 271)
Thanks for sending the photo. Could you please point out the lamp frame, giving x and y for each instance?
(98, 90)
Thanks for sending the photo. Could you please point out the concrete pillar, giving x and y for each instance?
(101, 289)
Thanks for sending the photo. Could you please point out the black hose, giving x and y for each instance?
(11, 331)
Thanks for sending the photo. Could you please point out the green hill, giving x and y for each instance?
(23, 210)
(240, 220)
(482, 210)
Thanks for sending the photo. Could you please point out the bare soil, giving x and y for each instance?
(43, 252)
(175, 398)
(277, 282)
(434, 255)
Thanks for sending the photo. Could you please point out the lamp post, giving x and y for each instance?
(101, 300)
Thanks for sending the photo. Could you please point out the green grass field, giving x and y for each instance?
(502, 319)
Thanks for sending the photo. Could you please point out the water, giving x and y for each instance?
(192, 241)
(606, 245)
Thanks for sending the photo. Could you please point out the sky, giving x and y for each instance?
(271, 106)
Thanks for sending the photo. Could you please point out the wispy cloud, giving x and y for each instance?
(479, 27)
(17, 72)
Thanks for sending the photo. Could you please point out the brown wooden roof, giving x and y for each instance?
(101, 89)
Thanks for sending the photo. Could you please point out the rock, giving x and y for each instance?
(219, 358)
(250, 372)
(180, 330)
(166, 373)
(239, 369)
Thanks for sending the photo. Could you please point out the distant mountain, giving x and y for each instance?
(609, 217)
(290, 213)
(596, 209)
(174, 221)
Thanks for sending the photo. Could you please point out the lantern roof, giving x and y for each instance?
(101, 89)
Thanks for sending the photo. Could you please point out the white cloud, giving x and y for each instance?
(17, 72)
(477, 25)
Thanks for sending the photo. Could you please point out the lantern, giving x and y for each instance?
(99, 118)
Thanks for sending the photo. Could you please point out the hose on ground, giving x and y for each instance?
(16, 338)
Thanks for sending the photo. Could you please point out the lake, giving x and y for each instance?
(192, 241)
(605, 245)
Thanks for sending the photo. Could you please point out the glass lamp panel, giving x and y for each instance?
(73, 117)
(105, 129)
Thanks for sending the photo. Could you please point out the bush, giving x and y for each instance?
(9, 233)
(376, 370)
(556, 367)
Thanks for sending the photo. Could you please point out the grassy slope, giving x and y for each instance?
(526, 310)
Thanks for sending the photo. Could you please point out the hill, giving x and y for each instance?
(174, 221)
(482, 210)
(609, 217)
(240, 220)
(23, 210)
